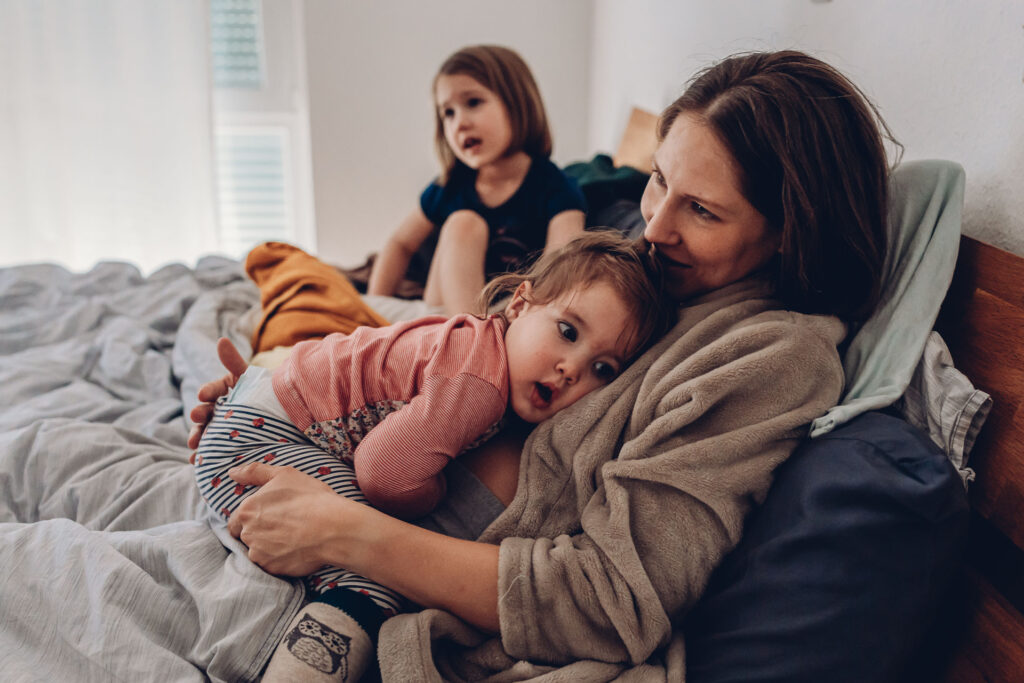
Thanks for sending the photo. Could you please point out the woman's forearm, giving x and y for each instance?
(430, 569)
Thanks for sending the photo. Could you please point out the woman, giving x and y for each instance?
(766, 206)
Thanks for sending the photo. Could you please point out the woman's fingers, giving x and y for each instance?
(231, 358)
(233, 362)
(211, 391)
(282, 523)
(254, 474)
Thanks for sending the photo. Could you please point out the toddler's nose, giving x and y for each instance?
(570, 370)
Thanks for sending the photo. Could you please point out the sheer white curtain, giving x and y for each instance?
(105, 132)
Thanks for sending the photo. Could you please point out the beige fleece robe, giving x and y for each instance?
(628, 499)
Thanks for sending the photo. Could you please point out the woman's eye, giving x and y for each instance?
(567, 330)
(699, 209)
(659, 179)
(604, 371)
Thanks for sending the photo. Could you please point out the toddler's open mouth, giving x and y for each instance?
(544, 393)
(471, 143)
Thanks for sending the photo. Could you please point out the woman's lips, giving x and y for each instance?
(668, 261)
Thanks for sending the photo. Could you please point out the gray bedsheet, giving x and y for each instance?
(109, 570)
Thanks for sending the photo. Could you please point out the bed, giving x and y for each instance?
(100, 369)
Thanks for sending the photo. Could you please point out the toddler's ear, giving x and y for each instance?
(520, 301)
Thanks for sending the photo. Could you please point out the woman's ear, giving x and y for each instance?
(520, 301)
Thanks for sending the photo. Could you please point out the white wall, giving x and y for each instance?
(947, 75)
(371, 110)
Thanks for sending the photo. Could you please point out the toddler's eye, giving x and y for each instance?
(474, 102)
(448, 113)
(567, 330)
(605, 371)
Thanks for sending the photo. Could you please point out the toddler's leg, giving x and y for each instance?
(333, 637)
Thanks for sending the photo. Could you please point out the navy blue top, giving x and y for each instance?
(519, 227)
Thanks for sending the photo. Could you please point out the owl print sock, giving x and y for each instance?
(323, 644)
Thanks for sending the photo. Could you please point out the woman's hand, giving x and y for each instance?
(208, 393)
(290, 520)
(296, 524)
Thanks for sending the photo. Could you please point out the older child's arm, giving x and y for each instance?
(393, 260)
(563, 227)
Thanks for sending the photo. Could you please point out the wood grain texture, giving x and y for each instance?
(982, 321)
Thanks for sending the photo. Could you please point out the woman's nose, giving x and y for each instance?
(659, 230)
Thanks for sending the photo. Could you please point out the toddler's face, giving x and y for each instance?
(476, 123)
(562, 350)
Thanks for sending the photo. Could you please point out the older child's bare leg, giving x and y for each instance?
(457, 270)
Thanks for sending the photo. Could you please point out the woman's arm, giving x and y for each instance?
(295, 524)
(393, 260)
(564, 227)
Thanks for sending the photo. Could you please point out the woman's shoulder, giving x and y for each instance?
(780, 322)
(748, 320)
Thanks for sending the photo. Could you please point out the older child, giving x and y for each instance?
(498, 199)
(383, 410)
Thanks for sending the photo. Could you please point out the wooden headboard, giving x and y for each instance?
(639, 140)
(982, 321)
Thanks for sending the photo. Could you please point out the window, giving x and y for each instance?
(261, 124)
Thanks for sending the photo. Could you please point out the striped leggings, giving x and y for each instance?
(238, 435)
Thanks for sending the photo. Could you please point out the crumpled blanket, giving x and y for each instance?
(110, 568)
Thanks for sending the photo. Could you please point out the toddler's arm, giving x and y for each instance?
(394, 258)
(399, 462)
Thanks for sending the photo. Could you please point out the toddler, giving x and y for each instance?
(380, 412)
(499, 197)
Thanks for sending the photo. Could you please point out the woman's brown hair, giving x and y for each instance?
(810, 146)
(598, 256)
(503, 72)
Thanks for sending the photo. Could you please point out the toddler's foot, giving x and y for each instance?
(322, 644)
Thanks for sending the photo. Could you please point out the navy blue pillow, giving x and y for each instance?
(841, 571)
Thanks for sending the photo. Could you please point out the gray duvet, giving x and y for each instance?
(109, 569)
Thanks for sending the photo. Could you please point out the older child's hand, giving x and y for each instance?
(287, 523)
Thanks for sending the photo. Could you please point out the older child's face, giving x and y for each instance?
(476, 123)
(562, 350)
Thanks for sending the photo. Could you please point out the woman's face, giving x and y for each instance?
(706, 232)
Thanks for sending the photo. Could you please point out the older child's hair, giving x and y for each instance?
(600, 256)
(810, 146)
(503, 72)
